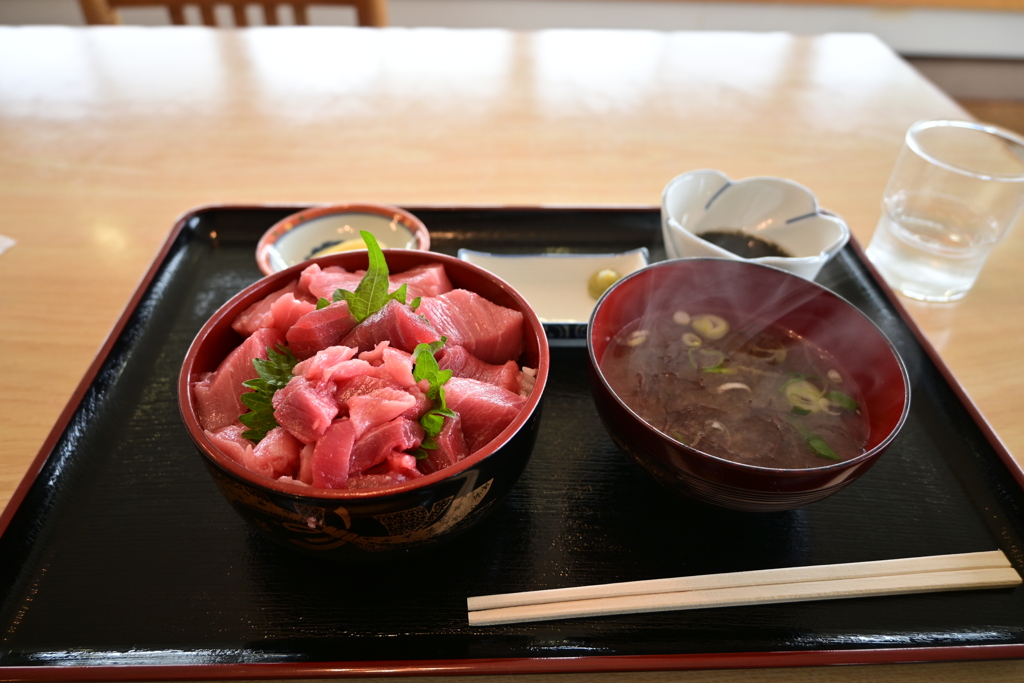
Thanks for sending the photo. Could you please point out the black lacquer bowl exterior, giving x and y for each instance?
(748, 291)
(361, 525)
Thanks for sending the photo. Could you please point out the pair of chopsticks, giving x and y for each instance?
(792, 584)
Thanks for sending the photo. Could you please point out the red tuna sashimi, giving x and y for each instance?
(464, 364)
(378, 443)
(382, 405)
(231, 442)
(218, 394)
(332, 455)
(288, 310)
(306, 464)
(276, 455)
(425, 280)
(323, 363)
(451, 447)
(484, 408)
(318, 330)
(304, 409)
(259, 315)
(492, 333)
(323, 283)
(396, 323)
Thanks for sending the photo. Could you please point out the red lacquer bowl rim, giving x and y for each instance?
(730, 464)
(221, 321)
(289, 223)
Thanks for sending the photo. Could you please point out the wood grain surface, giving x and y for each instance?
(107, 134)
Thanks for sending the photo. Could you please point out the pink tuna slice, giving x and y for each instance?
(218, 394)
(317, 330)
(484, 408)
(464, 364)
(259, 315)
(321, 364)
(376, 355)
(492, 333)
(382, 405)
(287, 311)
(303, 409)
(398, 364)
(396, 323)
(230, 442)
(306, 464)
(276, 455)
(403, 463)
(425, 280)
(332, 454)
(451, 447)
(378, 443)
(322, 283)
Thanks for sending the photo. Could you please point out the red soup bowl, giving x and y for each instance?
(664, 302)
(345, 524)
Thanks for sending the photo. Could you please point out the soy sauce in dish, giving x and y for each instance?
(743, 244)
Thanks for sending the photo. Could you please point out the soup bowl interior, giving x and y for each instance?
(364, 524)
(750, 296)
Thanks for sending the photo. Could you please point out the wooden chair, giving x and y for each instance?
(370, 12)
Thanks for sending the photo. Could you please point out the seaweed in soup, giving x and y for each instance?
(757, 394)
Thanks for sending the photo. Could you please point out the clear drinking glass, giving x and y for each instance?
(954, 193)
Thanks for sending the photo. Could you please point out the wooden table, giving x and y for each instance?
(108, 134)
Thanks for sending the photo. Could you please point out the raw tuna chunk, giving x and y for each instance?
(490, 332)
(231, 442)
(464, 364)
(304, 409)
(323, 363)
(426, 280)
(259, 315)
(288, 310)
(382, 405)
(378, 443)
(323, 283)
(218, 394)
(451, 447)
(276, 455)
(317, 330)
(376, 481)
(484, 408)
(396, 323)
(332, 454)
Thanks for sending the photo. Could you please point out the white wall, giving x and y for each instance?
(936, 33)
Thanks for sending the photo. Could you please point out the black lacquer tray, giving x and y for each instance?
(119, 558)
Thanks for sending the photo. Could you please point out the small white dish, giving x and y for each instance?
(322, 230)
(556, 285)
(773, 209)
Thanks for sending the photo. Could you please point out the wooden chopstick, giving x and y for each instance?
(791, 584)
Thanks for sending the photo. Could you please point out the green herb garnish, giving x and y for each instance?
(843, 401)
(274, 373)
(817, 444)
(426, 368)
(372, 292)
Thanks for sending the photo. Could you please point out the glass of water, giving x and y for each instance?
(954, 193)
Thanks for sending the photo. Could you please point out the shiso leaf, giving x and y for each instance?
(425, 367)
(371, 293)
(274, 373)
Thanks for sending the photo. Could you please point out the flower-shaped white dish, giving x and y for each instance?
(557, 285)
(780, 212)
(322, 230)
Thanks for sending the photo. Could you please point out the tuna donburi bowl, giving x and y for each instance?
(348, 413)
(743, 385)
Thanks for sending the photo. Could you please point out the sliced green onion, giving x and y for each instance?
(710, 326)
